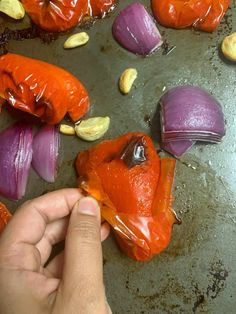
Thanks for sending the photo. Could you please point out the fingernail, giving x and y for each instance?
(88, 206)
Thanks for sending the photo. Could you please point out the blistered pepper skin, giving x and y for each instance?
(58, 15)
(203, 15)
(5, 216)
(214, 16)
(134, 192)
(41, 89)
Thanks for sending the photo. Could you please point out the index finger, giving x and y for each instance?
(29, 222)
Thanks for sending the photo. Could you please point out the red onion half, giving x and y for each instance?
(15, 160)
(189, 114)
(45, 153)
(178, 148)
(135, 30)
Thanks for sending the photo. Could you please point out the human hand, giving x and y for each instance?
(73, 281)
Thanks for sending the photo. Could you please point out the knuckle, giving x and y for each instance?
(93, 300)
(24, 256)
(87, 230)
(25, 204)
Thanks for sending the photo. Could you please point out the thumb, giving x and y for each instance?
(83, 273)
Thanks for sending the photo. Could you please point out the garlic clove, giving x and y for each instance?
(76, 40)
(92, 129)
(228, 47)
(127, 79)
(67, 129)
(12, 8)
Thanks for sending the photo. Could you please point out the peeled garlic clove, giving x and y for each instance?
(67, 129)
(127, 79)
(228, 47)
(76, 40)
(12, 8)
(92, 129)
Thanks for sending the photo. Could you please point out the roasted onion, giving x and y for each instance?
(135, 30)
(190, 113)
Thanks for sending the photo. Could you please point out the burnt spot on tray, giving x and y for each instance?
(200, 298)
(157, 299)
(134, 153)
(69, 163)
(87, 22)
(228, 20)
(148, 120)
(216, 284)
(22, 34)
(167, 48)
(106, 48)
(217, 277)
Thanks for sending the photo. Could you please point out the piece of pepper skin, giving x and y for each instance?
(203, 15)
(58, 16)
(5, 216)
(41, 89)
(133, 186)
(180, 13)
(214, 16)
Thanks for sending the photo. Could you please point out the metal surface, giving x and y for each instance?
(197, 273)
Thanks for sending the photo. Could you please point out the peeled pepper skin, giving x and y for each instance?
(61, 15)
(215, 15)
(41, 89)
(135, 200)
(203, 15)
(5, 216)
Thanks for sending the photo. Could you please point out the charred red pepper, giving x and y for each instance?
(57, 15)
(41, 89)
(5, 216)
(214, 16)
(204, 15)
(133, 186)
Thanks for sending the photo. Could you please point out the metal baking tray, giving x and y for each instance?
(197, 273)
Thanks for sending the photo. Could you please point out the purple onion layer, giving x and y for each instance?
(178, 148)
(45, 153)
(189, 114)
(15, 160)
(135, 30)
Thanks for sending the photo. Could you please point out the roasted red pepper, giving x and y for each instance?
(57, 15)
(133, 186)
(41, 89)
(5, 216)
(204, 15)
(214, 16)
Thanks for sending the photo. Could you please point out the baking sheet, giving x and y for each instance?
(196, 274)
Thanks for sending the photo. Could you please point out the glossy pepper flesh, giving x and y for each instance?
(58, 15)
(133, 186)
(41, 89)
(203, 15)
(5, 216)
(214, 16)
